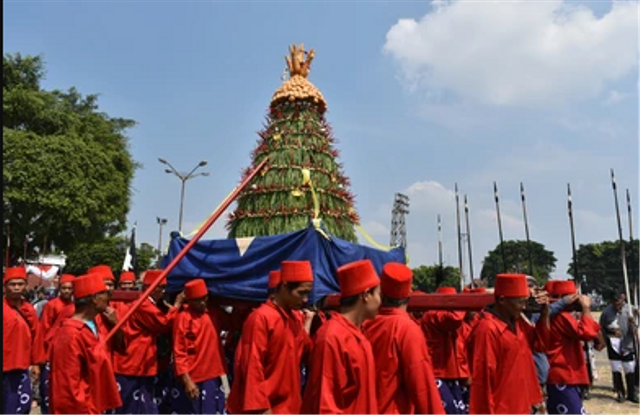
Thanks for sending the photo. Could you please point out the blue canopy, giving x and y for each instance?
(239, 268)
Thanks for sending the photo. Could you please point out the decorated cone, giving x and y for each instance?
(304, 180)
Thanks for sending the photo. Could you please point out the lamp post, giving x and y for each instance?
(183, 178)
(161, 223)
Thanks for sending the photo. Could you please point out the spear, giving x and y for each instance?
(623, 254)
(526, 228)
(585, 345)
(631, 254)
(223, 206)
(440, 270)
(459, 238)
(504, 257)
(466, 213)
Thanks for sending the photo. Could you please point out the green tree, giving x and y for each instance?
(67, 168)
(111, 251)
(601, 266)
(426, 277)
(302, 180)
(517, 260)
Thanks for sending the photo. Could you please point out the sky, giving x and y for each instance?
(421, 96)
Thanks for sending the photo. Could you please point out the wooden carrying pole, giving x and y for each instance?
(225, 204)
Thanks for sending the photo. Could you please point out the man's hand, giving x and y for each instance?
(180, 299)
(542, 298)
(571, 298)
(192, 390)
(110, 315)
(585, 302)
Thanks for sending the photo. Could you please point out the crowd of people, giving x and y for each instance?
(186, 354)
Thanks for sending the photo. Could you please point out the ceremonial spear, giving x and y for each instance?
(526, 229)
(623, 254)
(504, 258)
(459, 239)
(466, 213)
(631, 254)
(223, 206)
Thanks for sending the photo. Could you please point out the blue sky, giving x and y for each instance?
(421, 95)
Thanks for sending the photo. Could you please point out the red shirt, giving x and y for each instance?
(52, 310)
(441, 330)
(22, 337)
(503, 375)
(267, 362)
(141, 331)
(196, 346)
(342, 371)
(82, 379)
(565, 352)
(404, 378)
(461, 348)
(51, 334)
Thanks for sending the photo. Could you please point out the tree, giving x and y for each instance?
(601, 266)
(517, 260)
(425, 277)
(111, 251)
(67, 169)
(302, 180)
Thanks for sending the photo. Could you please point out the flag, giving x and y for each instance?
(130, 259)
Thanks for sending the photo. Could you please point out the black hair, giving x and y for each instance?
(292, 285)
(82, 303)
(616, 294)
(352, 300)
(393, 302)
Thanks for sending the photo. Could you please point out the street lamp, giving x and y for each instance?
(161, 223)
(183, 178)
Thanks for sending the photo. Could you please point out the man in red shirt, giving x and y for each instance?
(136, 367)
(22, 344)
(108, 318)
(500, 351)
(405, 383)
(127, 281)
(60, 307)
(568, 370)
(199, 361)
(342, 375)
(272, 347)
(82, 378)
(441, 329)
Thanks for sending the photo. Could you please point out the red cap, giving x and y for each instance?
(90, 284)
(446, 290)
(274, 279)
(395, 281)
(127, 276)
(466, 290)
(567, 287)
(357, 277)
(195, 289)
(104, 270)
(296, 271)
(511, 286)
(478, 290)
(548, 287)
(14, 273)
(67, 278)
(151, 276)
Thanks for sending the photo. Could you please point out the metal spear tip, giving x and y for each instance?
(203, 163)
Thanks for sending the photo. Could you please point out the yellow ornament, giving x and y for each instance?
(296, 193)
(276, 137)
(306, 177)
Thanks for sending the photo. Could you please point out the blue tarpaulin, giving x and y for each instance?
(239, 268)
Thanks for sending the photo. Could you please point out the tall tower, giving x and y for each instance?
(398, 226)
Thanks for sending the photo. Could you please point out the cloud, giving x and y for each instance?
(375, 228)
(615, 97)
(519, 53)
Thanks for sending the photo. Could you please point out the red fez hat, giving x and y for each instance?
(274, 279)
(357, 277)
(195, 289)
(14, 273)
(152, 275)
(67, 278)
(466, 290)
(104, 270)
(567, 287)
(548, 287)
(511, 286)
(478, 290)
(296, 271)
(395, 281)
(446, 290)
(90, 284)
(127, 276)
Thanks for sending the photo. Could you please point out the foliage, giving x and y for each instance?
(601, 266)
(67, 169)
(427, 278)
(517, 260)
(111, 251)
(296, 137)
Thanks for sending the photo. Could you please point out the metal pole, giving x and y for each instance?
(526, 229)
(466, 213)
(8, 253)
(504, 257)
(458, 225)
(184, 180)
(623, 254)
(634, 272)
(573, 234)
(223, 206)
